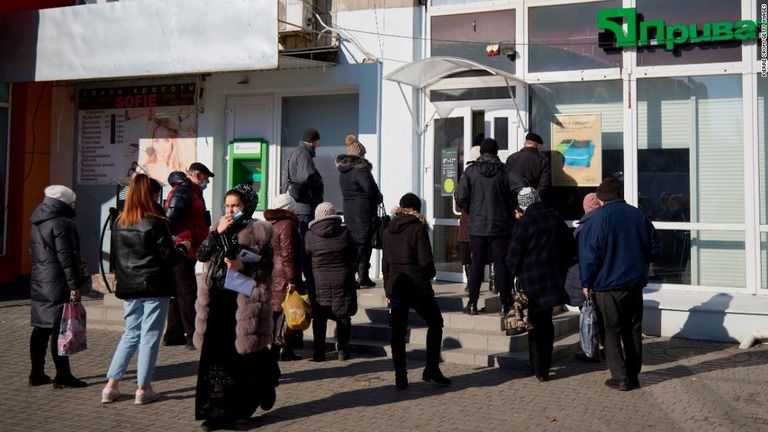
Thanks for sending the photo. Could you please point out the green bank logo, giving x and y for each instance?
(670, 35)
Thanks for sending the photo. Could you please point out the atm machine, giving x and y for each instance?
(248, 163)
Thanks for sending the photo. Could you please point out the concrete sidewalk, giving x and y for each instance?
(686, 385)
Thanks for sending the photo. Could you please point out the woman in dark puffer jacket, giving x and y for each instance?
(408, 268)
(361, 199)
(333, 253)
(144, 258)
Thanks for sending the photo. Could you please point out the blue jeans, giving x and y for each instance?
(144, 321)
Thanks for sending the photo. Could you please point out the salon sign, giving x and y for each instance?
(659, 33)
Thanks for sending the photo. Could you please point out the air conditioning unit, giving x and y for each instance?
(294, 16)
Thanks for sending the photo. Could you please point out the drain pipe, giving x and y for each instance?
(751, 339)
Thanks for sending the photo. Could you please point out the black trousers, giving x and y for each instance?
(181, 309)
(364, 252)
(38, 344)
(320, 317)
(540, 342)
(429, 311)
(497, 246)
(622, 313)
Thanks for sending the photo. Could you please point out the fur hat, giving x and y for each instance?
(526, 197)
(534, 137)
(354, 147)
(489, 145)
(590, 202)
(310, 135)
(474, 153)
(411, 201)
(285, 202)
(609, 189)
(61, 193)
(325, 209)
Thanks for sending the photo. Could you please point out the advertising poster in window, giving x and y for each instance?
(576, 150)
(141, 129)
(448, 171)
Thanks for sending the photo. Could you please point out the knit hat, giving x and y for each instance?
(531, 136)
(526, 197)
(590, 202)
(325, 209)
(354, 147)
(489, 145)
(474, 153)
(61, 193)
(609, 189)
(411, 201)
(285, 202)
(310, 135)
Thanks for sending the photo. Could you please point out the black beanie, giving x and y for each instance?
(532, 136)
(411, 201)
(489, 145)
(310, 135)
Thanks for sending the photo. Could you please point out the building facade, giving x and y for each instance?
(667, 96)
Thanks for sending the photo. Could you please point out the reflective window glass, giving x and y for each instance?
(596, 98)
(690, 149)
(565, 37)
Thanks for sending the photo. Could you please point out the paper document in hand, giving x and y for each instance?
(238, 282)
(247, 256)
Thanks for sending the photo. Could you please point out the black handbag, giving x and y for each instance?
(378, 225)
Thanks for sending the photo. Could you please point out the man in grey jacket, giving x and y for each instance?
(303, 182)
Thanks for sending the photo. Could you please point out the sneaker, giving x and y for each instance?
(109, 395)
(144, 397)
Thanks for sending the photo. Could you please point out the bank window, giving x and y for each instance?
(469, 35)
(679, 12)
(4, 111)
(565, 37)
(596, 102)
(691, 169)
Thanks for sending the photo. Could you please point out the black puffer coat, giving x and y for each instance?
(361, 195)
(54, 248)
(488, 192)
(408, 263)
(334, 262)
(144, 259)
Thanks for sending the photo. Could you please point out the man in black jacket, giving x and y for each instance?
(533, 166)
(488, 191)
(190, 221)
(303, 182)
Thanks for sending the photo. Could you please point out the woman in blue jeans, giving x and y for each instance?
(144, 256)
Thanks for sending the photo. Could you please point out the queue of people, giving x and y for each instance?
(236, 326)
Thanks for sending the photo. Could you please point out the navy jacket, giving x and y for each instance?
(616, 247)
(573, 281)
(539, 253)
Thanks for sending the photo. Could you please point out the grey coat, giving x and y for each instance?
(54, 249)
(302, 180)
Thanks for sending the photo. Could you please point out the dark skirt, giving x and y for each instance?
(230, 386)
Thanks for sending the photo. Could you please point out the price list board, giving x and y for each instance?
(114, 124)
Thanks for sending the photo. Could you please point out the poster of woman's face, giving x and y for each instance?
(165, 150)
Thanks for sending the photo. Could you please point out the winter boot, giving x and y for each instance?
(492, 280)
(362, 276)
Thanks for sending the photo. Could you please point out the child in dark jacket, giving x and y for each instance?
(408, 268)
(334, 264)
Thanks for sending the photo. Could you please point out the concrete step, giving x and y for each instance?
(563, 347)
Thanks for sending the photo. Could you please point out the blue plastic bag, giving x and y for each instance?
(588, 330)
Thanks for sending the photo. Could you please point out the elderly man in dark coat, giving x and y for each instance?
(361, 198)
(54, 248)
(539, 254)
(333, 253)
